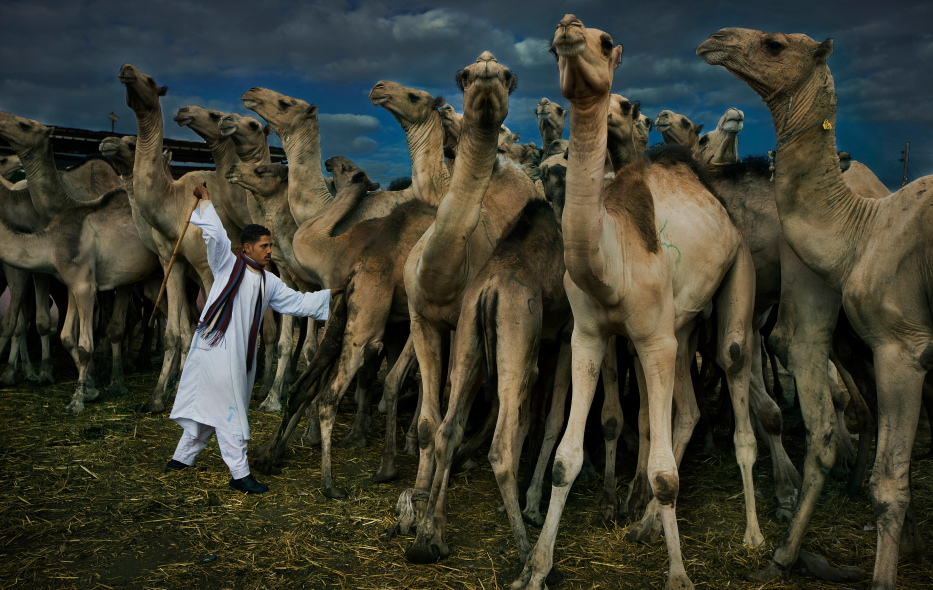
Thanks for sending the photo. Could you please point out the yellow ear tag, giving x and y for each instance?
(827, 125)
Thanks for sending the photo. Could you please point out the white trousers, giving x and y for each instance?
(232, 449)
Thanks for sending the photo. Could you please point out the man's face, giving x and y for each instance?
(260, 251)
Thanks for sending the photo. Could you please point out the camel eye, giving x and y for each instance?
(253, 126)
(606, 43)
(283, 105)
(412, 97)
(684, 124)
(461, 79)
(214, 117)
(24, 126)
(774, 46)
(704, 140)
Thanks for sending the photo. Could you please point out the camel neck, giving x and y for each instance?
(621, 152)
(253, 153)
(582, 220)
(445, 251)
(307, 190)
(821, 217)
(17, 210)
(45, 186)
(429, 175)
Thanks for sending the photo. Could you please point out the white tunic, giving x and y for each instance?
(215, 388)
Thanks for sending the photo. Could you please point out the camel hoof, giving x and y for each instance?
(153, 406)
(75, 407)
(771, 572)
(335, 493)
(426, 552)
(117, 389)
(411, 446)
(266, 466)
(647, 531)
(271, 405)
(91, 394)
(9, 376)
(680, 582)
(608, 509)
(31, 375)
(533, 518)
(385, 475)
(817, 566)
(353, 441)
(784, 513)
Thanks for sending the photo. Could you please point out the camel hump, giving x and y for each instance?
(628, 195)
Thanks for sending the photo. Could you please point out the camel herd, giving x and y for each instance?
(524, 271)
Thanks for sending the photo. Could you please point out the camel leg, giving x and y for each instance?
(900, 385)
(429, 544)
(83, 299)
(866, 424)
(555, 421)
(115, 330)
(428, 343)
(611, 418)
(588, 353)
(284, 371)
(736, 354)
(310, 345)
(769, 423)
(363, 421)
(176, 316)
(639, 492)
(17, 280)
(393, 383)
(270, 334)
(44, 327)
(806, 320)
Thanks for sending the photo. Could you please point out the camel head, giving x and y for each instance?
(24, 134)
(773, 64)
(263, 180)
(643, 127)
(142, 92)
(486, 87)
(202, 121)
(348, 176)
(587, 59)
(623, 115)
(284, 113)
(551, 118)
(9, 165)
(554, 181)
(677, 129)
(121, 151)
(506, 137)
(720, 147)
(450, 119)
(558, 146)
(409, 106)
(233, 123)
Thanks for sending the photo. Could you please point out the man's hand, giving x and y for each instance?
(200, 192)
(343, 286)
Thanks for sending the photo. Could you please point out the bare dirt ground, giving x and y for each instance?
(84, 504)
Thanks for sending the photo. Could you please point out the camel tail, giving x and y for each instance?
(31, 252)
(487, 310)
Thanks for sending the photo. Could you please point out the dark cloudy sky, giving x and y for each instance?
(60, 62)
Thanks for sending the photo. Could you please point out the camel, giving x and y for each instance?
(450, 118)
(677, 129)
(643, 126)
(88, 248)
(163, 204)
(657, 218)
(848, 242)
(720, 147)
(10, 165)
(51, 192)
(551, 118)
(484, 201)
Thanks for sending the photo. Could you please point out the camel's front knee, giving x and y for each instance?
(566, 467)
(665, 486)
(734, 356)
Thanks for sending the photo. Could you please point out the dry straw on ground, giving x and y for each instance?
(84, 504)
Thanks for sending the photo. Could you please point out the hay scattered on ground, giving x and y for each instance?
(84, 504)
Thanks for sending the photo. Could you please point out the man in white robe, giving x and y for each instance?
(214, 390)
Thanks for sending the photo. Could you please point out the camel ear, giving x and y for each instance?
(823, 50)
(561, 112)
(373, 186)
(163, 90)
(438, 102)
(267, 130)
(636, 111)
(616, 56)
(360, 176)
(312, 109)
(699, 128)
(49, 131)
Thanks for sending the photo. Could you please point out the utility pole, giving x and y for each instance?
(113, 120)
(906, 153)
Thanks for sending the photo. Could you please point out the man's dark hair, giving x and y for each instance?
(252, 232)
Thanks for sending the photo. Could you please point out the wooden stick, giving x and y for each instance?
(171, 261)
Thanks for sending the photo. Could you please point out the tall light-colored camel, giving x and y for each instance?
(551, 119)
(164, 204)
(677, 129)
(484, 201)
(873, 251)
(644, 258)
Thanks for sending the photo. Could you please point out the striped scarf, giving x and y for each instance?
(217, 318)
